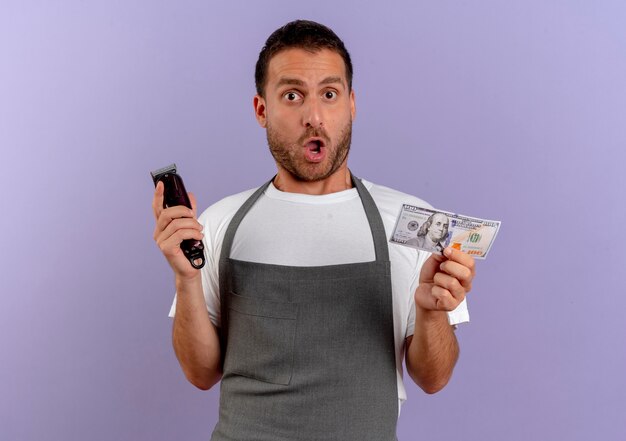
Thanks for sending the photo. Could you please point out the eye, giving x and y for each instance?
(330, 94)
(292, 96)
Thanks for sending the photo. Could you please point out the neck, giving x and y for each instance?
(338, 181)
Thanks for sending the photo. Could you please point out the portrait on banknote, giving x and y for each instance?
(432, 234)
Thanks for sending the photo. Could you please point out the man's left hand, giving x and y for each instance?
(445, 280)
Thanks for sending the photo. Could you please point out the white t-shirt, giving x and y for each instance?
(307, 230)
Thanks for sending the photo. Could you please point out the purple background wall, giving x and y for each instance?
(500, 109)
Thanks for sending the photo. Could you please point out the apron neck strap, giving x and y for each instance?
(236, 220)
(373, 217)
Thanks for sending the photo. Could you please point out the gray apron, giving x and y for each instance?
(308, 352)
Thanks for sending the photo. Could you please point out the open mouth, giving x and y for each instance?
(315, 145)
(315, 149)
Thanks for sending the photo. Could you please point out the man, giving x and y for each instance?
(431, 234)
(310, 311)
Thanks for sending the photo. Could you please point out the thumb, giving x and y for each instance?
(192, 199)
(157, 200)
(431, 267)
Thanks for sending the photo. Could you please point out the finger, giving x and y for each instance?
(185, 223)
(451, 284)
(461, 257)
(444, 300)
(167, 215)
(171, 245)
(157, 200)
(462, 273)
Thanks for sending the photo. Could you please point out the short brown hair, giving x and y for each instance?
(302, 34)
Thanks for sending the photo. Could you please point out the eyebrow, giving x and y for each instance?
(296, 82)
(331, 80)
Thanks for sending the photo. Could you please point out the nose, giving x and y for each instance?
(312, 114)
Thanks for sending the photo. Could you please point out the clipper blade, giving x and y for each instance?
(157, 174)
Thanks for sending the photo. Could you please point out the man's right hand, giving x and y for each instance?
(194, 337)
(173, 225)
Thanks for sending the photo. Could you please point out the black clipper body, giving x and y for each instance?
(175, 194)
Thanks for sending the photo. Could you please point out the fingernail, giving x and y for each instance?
(448, 251)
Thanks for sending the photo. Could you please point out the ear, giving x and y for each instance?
(260, 111)
(352, 104)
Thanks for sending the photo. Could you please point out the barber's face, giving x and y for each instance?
(438, 228)
(308, 112)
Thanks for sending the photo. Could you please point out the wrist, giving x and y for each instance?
(429, 316)
(187, 283)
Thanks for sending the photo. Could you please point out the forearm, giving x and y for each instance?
(432, 351)
(194, 337)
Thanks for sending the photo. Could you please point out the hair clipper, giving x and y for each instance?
(175, 194)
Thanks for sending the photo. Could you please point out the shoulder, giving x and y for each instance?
(389, 201)
(221, 212)
(384, 196)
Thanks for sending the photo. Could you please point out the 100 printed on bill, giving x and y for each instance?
(433, 230)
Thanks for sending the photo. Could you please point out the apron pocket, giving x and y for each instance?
(261, 338)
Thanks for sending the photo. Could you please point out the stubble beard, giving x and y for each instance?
(290, 155)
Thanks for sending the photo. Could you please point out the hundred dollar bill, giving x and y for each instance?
(434, 230)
